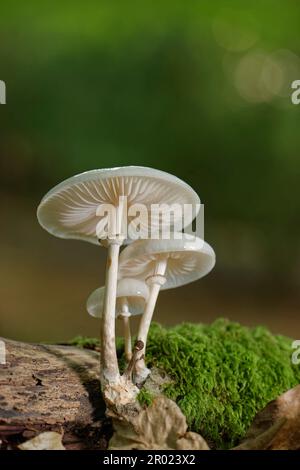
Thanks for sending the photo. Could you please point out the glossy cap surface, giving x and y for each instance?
(188, 259)
(69, 210)
(135, 292)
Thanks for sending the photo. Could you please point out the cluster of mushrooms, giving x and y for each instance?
(77, 208)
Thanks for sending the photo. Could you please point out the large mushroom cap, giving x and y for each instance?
(69, 209)
(188, 259)
(134, 291)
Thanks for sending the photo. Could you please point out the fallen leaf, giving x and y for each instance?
(277, 426)
(191, 441)
(44, 441)
(160, 426)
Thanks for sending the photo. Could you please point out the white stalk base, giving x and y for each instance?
(155, 281)
(110, 368)
(120, 394)
(127, 337)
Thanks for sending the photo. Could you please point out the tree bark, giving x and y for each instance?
(52, 388)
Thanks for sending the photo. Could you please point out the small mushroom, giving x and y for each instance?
(163, 264)
(132, 295)
(81, 208)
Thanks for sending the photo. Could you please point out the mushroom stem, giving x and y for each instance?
(127, 337)
(155, 282)
(130, 367)
(110, 368)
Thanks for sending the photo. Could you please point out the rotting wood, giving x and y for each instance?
(52, 388)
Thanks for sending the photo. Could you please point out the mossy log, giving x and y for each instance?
(220, 375)
(56, 388)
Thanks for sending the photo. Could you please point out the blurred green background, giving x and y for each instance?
(198, 89)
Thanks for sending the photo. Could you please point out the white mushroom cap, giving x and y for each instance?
(95, 301)
(133, 290)
(69, 209)
(188, 259)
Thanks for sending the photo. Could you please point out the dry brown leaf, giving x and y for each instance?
(191, 441)
(160, 426)
(277, 426)
(44, 441)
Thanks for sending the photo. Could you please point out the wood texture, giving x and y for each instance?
(55, 388)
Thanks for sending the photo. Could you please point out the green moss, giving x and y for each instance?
(145, 397)
(85, 342)
(223, 374)
(93, 343)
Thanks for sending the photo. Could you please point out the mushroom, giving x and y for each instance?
(95, 206)
(163, 264)
(132, 295)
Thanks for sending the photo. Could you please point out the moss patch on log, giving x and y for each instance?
(223, 374)
(145, 397)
